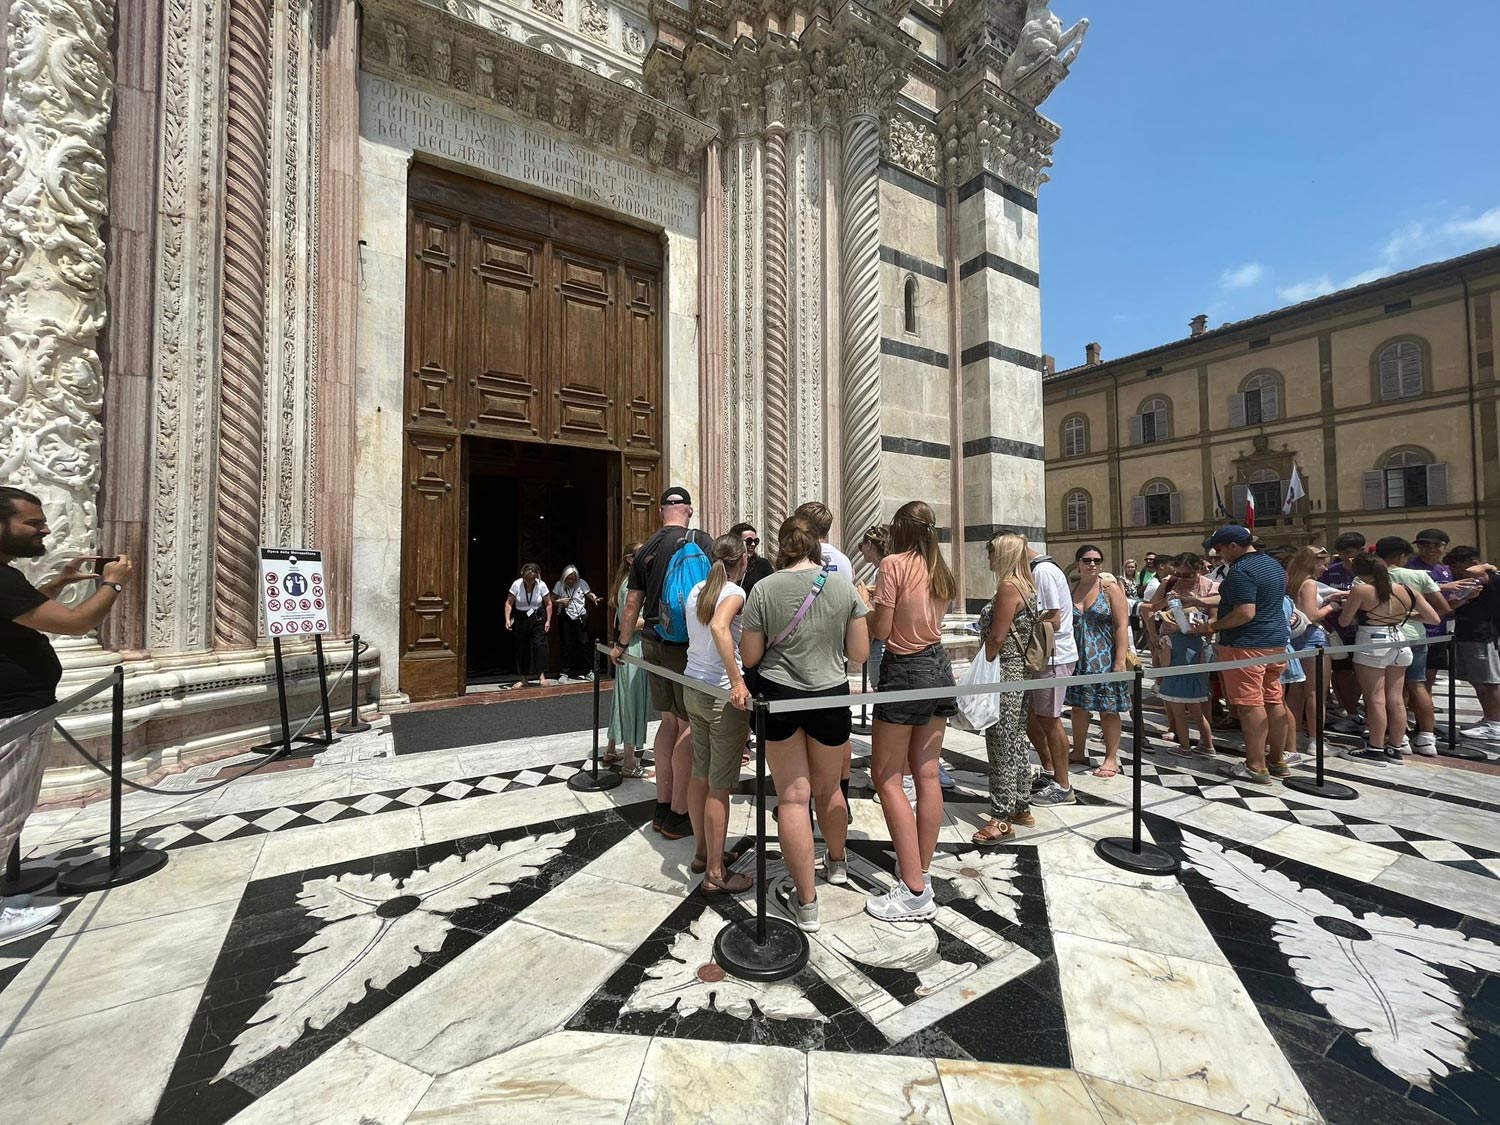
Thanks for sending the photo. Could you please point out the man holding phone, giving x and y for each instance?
(29, 670)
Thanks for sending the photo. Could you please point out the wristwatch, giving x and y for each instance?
(115, 586)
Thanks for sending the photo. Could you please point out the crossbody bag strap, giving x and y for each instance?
(812, 595)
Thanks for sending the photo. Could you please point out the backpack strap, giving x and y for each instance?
(817, 588)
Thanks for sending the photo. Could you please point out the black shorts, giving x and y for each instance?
(827, 726)
(1343, 663)
(908, 671)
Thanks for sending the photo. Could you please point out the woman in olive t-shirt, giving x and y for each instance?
(806, 750)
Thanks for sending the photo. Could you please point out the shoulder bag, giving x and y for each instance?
(752, 675)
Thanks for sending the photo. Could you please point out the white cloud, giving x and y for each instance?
(1411, 245)
(1305, 290)
(1243, 277)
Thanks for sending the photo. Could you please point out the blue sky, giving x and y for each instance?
(1230, 157)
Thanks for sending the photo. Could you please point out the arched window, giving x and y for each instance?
(1400, 369)
(1152, 422)
(1407, 478)
(1158, 505)
(1075, 435)
(909, 303)
(1265, 486)
(1078, 512)
(1258, 400)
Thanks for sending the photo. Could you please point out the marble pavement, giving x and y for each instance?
(458, 936)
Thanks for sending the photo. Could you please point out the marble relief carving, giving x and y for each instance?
(913, 146)
(552, 9)
(59, 89)
(594, 19)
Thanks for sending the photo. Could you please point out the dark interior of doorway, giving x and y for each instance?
(530, 502)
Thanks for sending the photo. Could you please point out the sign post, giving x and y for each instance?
(295, 602)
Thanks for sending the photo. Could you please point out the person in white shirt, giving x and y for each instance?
(528, 613)
(1045, 726)
(573, 595)
(719, 727)
(820, 516)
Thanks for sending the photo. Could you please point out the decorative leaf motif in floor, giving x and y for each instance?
(987, 878)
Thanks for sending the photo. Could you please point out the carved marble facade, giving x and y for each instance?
(809, 166)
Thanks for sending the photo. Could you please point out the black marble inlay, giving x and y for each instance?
(901, 178)
(1345, 1078)
(1019, 1021)
(988, 181)
(891, 256)
(990, 349)
(984, 532)
(271, 926)
(914, 447)
(1010, 447)
(988, 261)
(911, 351)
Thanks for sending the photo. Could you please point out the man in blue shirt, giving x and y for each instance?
(1252, 623)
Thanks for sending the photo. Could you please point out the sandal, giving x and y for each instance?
(611, 758)
(700, 862)
(637, 772)
(1022, 819)
(1106, 771)
(733, 883)
(992, 833)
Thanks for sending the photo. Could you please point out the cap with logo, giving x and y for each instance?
(676, 495)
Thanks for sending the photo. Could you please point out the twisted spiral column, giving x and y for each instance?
(777, 406)
(859, 261)
(242, 387)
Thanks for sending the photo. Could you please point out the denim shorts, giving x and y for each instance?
(907, 671)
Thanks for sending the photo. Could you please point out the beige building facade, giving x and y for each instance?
(1381, 398)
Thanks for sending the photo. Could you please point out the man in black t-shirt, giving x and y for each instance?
(673, 745)
(759, 566)
(29, 672)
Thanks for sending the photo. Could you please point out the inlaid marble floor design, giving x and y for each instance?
(526, 952)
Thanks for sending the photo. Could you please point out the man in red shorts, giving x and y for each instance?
(1252, 622)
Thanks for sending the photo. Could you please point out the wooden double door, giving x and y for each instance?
(527, 322)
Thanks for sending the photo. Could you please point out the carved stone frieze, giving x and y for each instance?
(913, 145)
(468, 61)
(593, 19)
(991, 132)
(59, 89)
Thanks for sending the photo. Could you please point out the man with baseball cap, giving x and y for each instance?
(673, 745)
(1252, 622)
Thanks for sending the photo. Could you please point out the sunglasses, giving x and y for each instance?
(753, 541)
(1090, 560)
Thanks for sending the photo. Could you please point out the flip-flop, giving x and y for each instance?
(733, 883)
(1105, 771)
(700, 862)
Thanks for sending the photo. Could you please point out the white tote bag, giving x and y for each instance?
(980, 712)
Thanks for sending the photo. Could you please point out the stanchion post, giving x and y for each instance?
(323, 689)
(1131, 852)
(777, 949)
(122, 865)
(1317, 785)
(591, 778)
(1453, 749)
(354, 724)
(25, 880)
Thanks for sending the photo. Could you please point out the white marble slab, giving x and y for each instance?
(349, 1083)
(611, 913)
(566, 1076)
(472, 816)
(1153, 920)
(1338, 854)
(983, 1093)
(101, 1066)
(843, 1089)
(295, 849)
(1232, 822)
(1125, 1105)
(1182, 1029)
(688, 1080)
(1464, 891)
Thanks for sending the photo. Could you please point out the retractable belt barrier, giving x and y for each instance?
(772, 948)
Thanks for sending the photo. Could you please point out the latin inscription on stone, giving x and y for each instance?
(428, 123)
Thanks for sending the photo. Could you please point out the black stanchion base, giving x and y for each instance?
(783, 955)
(29, 880)
(1150, 860)
(97, 874)
(584, 780)
(860, 728)
(1462, 753)
(1333, 790)
(306, 739)
(351, 728)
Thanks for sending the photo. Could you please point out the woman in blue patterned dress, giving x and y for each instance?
(1186, 695)
(1101, 625)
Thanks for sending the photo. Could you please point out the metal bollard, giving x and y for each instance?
(591, 779)
(1131, 853)
(1317, 786)
(354, 724)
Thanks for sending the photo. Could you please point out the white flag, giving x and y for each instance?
(1294, 492)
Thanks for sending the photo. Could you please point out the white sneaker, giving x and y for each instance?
(1424, 744)
(909, 787)
(565, 679)
(899, 905)
(1487, 731)
(804, 914)
(836, 871)
(586, 678)
(19, 922)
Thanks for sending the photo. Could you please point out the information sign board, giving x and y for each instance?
(292, 592)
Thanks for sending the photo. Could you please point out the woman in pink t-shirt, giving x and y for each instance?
(913, 592)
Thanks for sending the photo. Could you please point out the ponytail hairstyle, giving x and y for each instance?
(532, 571)
(727, 553)
(1373, 571)
(878, 535)
(624, 569)
(915, 529)
(797, 541)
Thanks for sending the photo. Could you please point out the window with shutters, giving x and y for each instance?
(1075, 435)
(1258, 400)
(1078, 510)
(1268, 491)
(1407, 478)
(1153, 422)
(1400, 369)
(1158, 505)
(909, 303)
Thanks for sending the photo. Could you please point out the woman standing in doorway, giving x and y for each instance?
(632, 695)
(528, 614)
(913, 592)
(1101, 624)
(574, 596)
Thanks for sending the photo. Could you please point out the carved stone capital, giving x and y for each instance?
(992, 132)
(866, 80)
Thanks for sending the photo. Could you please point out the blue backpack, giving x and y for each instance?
(688, 567)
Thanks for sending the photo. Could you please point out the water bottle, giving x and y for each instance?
(1178, 614)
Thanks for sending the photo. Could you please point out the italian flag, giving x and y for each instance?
(1250, 509)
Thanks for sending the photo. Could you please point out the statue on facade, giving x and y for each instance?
(1043, 53)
